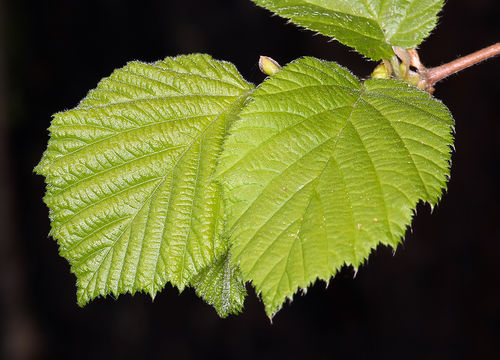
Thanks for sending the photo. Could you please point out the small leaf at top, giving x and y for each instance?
(129, 175)
(369, 26)
(320, 169)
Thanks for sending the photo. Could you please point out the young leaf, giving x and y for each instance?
(220, 284)
(371, 27)
(129, 175)
(321, 168)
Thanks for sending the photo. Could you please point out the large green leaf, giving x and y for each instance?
(321, 168)
(369, 26)
(129, 175)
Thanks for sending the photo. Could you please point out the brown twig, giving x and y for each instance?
(435, 74)
(425, 78)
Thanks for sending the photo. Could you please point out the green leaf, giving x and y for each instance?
(129, 175)
(369, 26)
(320, 169)
(220, 284)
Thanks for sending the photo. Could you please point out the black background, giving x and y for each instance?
(438, 297)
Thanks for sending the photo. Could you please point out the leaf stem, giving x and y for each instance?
(435, 74)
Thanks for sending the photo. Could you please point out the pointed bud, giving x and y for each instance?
(382, 71)
(268, 66)
(403, 70)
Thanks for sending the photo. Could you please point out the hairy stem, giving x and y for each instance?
(433, 75)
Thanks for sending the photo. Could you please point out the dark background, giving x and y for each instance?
(438, 297)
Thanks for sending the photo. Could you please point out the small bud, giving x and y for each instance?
(268, 66)
(382, 71)
(415, 79)
(403, 70)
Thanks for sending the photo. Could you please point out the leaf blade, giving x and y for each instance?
(371, 27)
(320, 169)
(129, 175)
